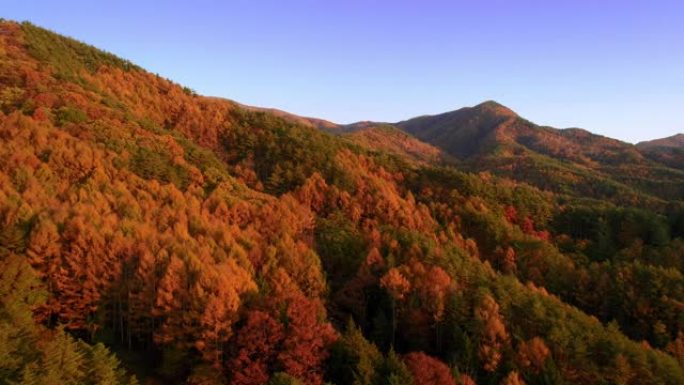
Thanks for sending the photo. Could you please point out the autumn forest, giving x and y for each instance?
(151, 235)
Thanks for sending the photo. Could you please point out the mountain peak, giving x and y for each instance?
(494, 107)
(462, 132)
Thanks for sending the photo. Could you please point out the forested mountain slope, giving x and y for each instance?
(674, 141)
(205, 243)
(491, 137)
(669, 151)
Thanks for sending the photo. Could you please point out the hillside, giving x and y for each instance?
(668, 151)
(301, 120)
(152, 235)
(391, 140)
(674, 141)
(465, 132)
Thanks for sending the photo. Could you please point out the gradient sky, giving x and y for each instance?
(612, 67)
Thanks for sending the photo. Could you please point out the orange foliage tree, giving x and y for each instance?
(492, 332)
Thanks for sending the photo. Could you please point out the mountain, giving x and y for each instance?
(491, 137)
(668, 151)
(674, 141)
(152, 235)
(464, 132)
(492, 128)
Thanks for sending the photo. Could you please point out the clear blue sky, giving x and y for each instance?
(613, 67)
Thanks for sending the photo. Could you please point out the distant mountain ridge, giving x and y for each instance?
(668, 151)
(674, 141)
(492, 137)
(472, 131)
(307, 121)
(489, 126)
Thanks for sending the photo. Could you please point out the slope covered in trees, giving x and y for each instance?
(674, 141)
(208, 243)
(491, 137)
(669, 151)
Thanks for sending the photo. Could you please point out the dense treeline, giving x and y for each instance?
(33, 354)
(206, 243)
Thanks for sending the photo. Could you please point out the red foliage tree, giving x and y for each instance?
(511, 214)
(465, 379)
(307, 334)
(256, 343)
(427, 370)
